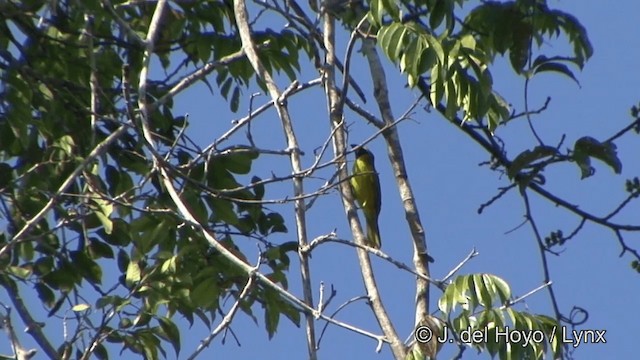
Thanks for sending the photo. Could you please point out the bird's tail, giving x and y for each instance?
(373, 234)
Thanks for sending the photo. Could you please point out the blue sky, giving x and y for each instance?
(449, 187)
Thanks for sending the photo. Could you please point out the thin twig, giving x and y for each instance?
(348, 203)
(543, 255)
(278, 97)
(342, 306)
(197, 75)
(624, 130)
(239, 123)
(20, 352)
(33, 327)
(377, 252)
(470, 256)
(93, 76)
(540, 110)
(523, 297)
(391, 136)
(347, 65)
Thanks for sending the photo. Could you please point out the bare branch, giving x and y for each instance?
(377, 252)
(471, 255)
(33, 327)
(238, 124)
(347, 303)
(339, 147)
(523, 297)
(197, 75)
(543, 255)
(292, 143)
(394, 150)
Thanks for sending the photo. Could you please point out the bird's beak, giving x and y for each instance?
(353, 146)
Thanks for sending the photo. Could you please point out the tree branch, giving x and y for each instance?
(394, 149)
(33, 327)
(339, 147)
(250, 49)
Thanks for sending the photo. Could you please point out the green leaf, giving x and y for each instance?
(106, 222)
(484, 284)
(204, 294)
(125, 323)
(97, 249)
(150, 343)
(556, 67)
(80, 307)
(226, 86)
(204, 47)
(527, 157)
(436, 91)
(43, 265)
(274, 223)
(587, 147)
(502, 288)
(377, 11)
(439, 10)
(238, 161)
(20, 272)
(235, 100)
(171, 332)
(101, 352)
(271, 318)
(292, 314)
(6, 176)
(63, 278)
(133, 273)
(123, 260)
(520, 47)
(142, 319)
(437, 47)
(45, 294)
(223, 210)
(66, 143)
(392, 8)
(258, 189)
(391, 39)
(86, 267)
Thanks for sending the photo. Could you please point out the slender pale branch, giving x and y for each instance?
(342, 306)
(20, 352)
(197, 75)
(33, 327)
(93, 76)
(242, 21)
(339, 147)
(523, 297)
(396, 158)
(471, 255)
(377, 252)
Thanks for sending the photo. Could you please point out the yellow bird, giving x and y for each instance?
(366, 189)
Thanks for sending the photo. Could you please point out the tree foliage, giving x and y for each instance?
(121, 225)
